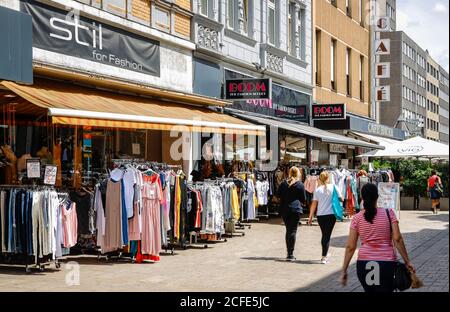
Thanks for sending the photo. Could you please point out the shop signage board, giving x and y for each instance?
(67, 33)
(389, 197)
(383, 47)
(338, 149)
(380, 130)
(34, 168)
(50, 175)
(329, 112)
(383, 70)
(383, 93)
(249, 89)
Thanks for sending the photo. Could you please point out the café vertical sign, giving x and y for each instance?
(67, 33)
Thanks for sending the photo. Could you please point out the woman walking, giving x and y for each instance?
(292, 195)
(435, 190)
(322, 203)
(376, 257)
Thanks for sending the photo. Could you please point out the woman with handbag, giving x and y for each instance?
(323, 203)
(435, 190)
(378, 229)
(293, 198)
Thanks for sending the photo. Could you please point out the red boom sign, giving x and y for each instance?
(329, 111)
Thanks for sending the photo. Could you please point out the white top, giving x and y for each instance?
(129, 180)
(262, 190)
(324, 196)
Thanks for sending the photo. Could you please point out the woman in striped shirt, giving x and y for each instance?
(376, 257)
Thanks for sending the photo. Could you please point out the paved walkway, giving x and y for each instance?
(250, 263)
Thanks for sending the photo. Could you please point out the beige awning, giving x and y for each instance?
(69, 104)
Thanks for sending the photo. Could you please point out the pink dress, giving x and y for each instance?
(70, 225)
(151, 218)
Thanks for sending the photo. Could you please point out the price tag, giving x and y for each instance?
(33, 168)
(50, 175)
(136, 147)
(315, 155)
(344, 163)
(333, 160)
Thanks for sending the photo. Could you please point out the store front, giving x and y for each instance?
(361, 129)
(108, 127)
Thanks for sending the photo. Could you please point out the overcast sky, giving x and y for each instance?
(427, 22)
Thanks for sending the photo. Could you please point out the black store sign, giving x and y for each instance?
(328, 111)
(248, 89)
(70, 34)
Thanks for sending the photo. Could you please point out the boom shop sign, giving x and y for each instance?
(328, 111)
(68, 33)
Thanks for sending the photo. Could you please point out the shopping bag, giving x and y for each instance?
(338, 209)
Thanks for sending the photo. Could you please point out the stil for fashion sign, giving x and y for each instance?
(68, 33)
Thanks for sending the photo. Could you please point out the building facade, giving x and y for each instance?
(342, 54)
(433, 100)
(443, 105)
(407, 108)
(238, 39)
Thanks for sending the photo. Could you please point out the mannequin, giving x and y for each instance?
(44, 154)
(11, 169)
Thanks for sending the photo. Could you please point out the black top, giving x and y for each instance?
(292, 197)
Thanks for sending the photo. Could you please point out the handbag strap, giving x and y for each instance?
(390, 226)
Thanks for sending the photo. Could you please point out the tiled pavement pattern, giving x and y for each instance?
(254, 262)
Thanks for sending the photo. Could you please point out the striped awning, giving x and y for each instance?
(69, 104)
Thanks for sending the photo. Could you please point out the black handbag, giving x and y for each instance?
(402, 276)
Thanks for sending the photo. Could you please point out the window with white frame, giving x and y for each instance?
(204, 5)
(239, 17)
(333, 63)
(271, 22)
(161, 19)
(231, 16)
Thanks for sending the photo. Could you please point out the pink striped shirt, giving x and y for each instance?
(376, 239)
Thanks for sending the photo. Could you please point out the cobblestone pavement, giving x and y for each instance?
(253, 262)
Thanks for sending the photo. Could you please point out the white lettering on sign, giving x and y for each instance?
(380, 130)
(77, 26)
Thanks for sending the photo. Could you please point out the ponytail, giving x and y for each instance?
(369, 194)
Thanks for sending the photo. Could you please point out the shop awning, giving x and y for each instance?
(69, 104)
(374, 138)
(305, 130)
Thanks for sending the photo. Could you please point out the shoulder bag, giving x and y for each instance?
(402, 276)
(338, 210)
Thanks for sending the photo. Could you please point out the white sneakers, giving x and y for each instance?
(326, 259)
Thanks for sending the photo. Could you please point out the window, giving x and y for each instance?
(361, 78)
(361, 11)
(162, 19)
(291, 30)
(231, 14)
(204, 7)
(271, 22)
(348, 7)
(333, 64)
(318, 57)
(348, 70)
(245, 16)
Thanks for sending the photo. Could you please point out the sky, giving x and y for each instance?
(427, 23)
